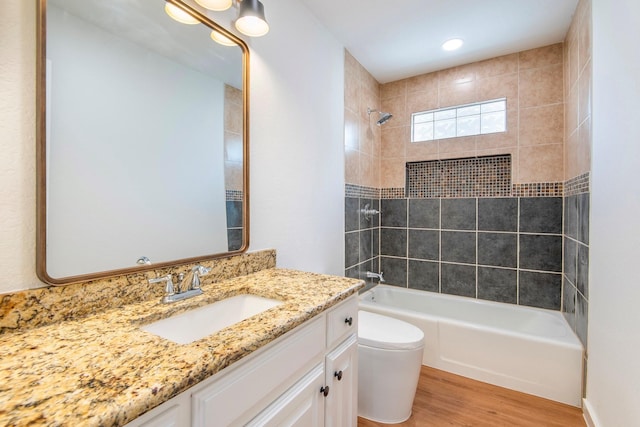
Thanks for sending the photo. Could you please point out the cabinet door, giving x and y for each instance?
(342, 377)
(301, 406)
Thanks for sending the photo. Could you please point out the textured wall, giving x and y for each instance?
(17, 144)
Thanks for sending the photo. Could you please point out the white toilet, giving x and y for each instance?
(389, 360)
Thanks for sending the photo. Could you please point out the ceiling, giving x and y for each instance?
(399, 39)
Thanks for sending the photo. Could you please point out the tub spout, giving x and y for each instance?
(371, 275)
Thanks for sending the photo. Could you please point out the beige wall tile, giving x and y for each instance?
(541, 57)
(541, 163)
(233, 118)
(368, 99)
(457, 155)
(584, 35)
(497, 66)
(233, 146)
(571, 112)
(457, 145)
(501, 139)
(504, 86)
(393, 89)
(396, 106)
(393, 142)
(574, 60)
(542, 125)
(392, 173)
(584, 146)
(571, 168)
(417, 151)
(370, 170)
(457, 75)
(457, 94)
(584, 93)
(422, 101)
(232, 95)
(369, 133)
(423, 83)
(541, 86)
(351, 130)
(352, 173)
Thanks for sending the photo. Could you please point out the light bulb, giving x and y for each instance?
(179, 15)
(221, 39)
(216, 5)
(252, 26)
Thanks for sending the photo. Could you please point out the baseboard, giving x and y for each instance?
(589, 414)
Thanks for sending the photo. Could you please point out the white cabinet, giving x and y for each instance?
(308, 377)
(342, 377)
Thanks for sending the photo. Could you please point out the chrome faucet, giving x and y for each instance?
(371, 275)
(188, 284)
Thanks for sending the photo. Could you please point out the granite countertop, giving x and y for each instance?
(104, 371)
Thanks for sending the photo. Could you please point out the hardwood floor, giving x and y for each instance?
(445, 399)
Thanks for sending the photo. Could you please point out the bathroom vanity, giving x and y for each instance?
(295, 361)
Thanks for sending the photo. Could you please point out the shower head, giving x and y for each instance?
(384, 117)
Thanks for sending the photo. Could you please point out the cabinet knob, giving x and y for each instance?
(325, 390)
(338, 375)
(349, 320)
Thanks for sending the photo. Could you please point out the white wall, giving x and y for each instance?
(297, 167)
(297, 154)
(613, 375)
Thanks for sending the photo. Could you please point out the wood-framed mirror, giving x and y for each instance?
(142, 139)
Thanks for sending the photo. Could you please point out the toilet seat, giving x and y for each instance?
(383, 332)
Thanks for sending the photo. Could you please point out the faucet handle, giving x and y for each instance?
(198, 271)
(169, 288)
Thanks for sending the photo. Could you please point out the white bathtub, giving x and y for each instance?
(526, 349)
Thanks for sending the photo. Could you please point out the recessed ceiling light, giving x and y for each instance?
(452, 44)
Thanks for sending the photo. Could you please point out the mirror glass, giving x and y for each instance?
(142, 156)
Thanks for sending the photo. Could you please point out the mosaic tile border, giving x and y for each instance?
(353, 190)
(392, 193)
(234, 195)
(578, 185)
(487, 176)
(538, 189)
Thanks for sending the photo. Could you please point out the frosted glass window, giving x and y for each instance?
(464, 120)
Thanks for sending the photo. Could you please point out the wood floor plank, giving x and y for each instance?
(445, 399)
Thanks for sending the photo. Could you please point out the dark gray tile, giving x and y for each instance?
(234, 237)
(394, 271)
(424, 213)
(366, 240)
(234, 213)
(582, 321)
(569, 294)
(351, 214)
(459, 214)
(570, 259)
(583, 218)
(352, 272)
(393, 241)
(458, 246)
(375, 250)
(373, 219)
(541, 252)
(542, 290)
(498, 284)
(500, 214)
(424, 244)
(499, 249)
(458, 280)
(571, 216)
(351, 249)
(394, 212)
(583, 270)
(424, 275)
(541, 215)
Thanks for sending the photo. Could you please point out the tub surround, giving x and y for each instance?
(45, 306)
(104, 370)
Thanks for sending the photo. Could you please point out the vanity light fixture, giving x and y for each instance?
(222, 39)
(179, 15)
(215, 5)
(251, 20)
(452, 44)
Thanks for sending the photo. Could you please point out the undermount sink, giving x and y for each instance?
(200, 322)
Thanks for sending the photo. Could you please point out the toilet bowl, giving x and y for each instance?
(389, 360)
